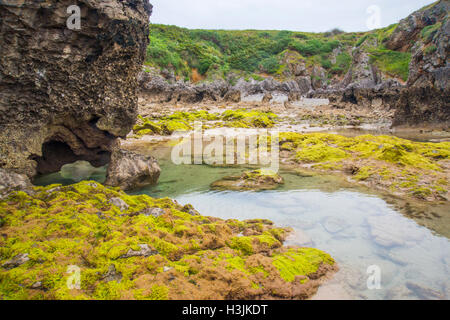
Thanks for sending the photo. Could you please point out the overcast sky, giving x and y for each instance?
(295, 15)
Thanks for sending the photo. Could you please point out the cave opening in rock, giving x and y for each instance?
(56, 154)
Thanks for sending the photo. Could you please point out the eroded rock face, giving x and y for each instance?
(11, 181)
(67, 94)
(426, 34)
(156, 88)
(129, 170)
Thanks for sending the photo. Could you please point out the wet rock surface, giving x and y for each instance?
(67, 94)
(129, 170)
(112, 274)
(386, 232)
(254, 180)
(10, 181)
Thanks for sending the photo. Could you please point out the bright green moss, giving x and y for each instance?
(320, 153)
(364, 173)
(395, 63)
(320, 147)
(236, 263)
(422, 192)
(159, 293)
(268, 239)
(249, 119)
(300, 262)
(183, 121)
(76, 225)
(242, 244)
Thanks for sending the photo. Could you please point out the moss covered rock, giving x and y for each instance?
(396, 165)
(148, 249)
(184, 121)
(261, 179)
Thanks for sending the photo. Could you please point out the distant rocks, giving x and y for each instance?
(129, 170)
(156, 88)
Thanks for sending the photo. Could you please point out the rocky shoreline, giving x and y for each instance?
(137, 247)
(73, 97)
(78, 100)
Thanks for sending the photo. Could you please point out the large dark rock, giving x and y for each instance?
(67, 94)
(129, 170)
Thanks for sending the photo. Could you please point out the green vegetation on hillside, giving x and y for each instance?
(394, 63)
(211, 54)
(217, 52)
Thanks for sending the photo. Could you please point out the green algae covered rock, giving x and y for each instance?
(256, 180)
(81, 242)
(184, 121)
(418, 169)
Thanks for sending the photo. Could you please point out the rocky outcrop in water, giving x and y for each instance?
(254, 180)
(67, 94)
(129, 170)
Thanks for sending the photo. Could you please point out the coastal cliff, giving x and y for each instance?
(67, 95)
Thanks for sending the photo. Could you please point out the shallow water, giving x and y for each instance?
(336, 220)
(358, 229)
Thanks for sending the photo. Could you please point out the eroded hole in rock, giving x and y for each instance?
(350, 98)
(56, 154)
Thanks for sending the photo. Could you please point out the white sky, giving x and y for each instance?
(294, 15)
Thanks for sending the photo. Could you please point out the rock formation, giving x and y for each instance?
(10, 181)
(129, 170)
(68, 94)
(156, 88)
(373, 71)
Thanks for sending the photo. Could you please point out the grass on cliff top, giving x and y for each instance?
(214, 53)
(394, 63)
(132, 254)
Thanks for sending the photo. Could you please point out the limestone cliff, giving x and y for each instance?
(66, 95)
